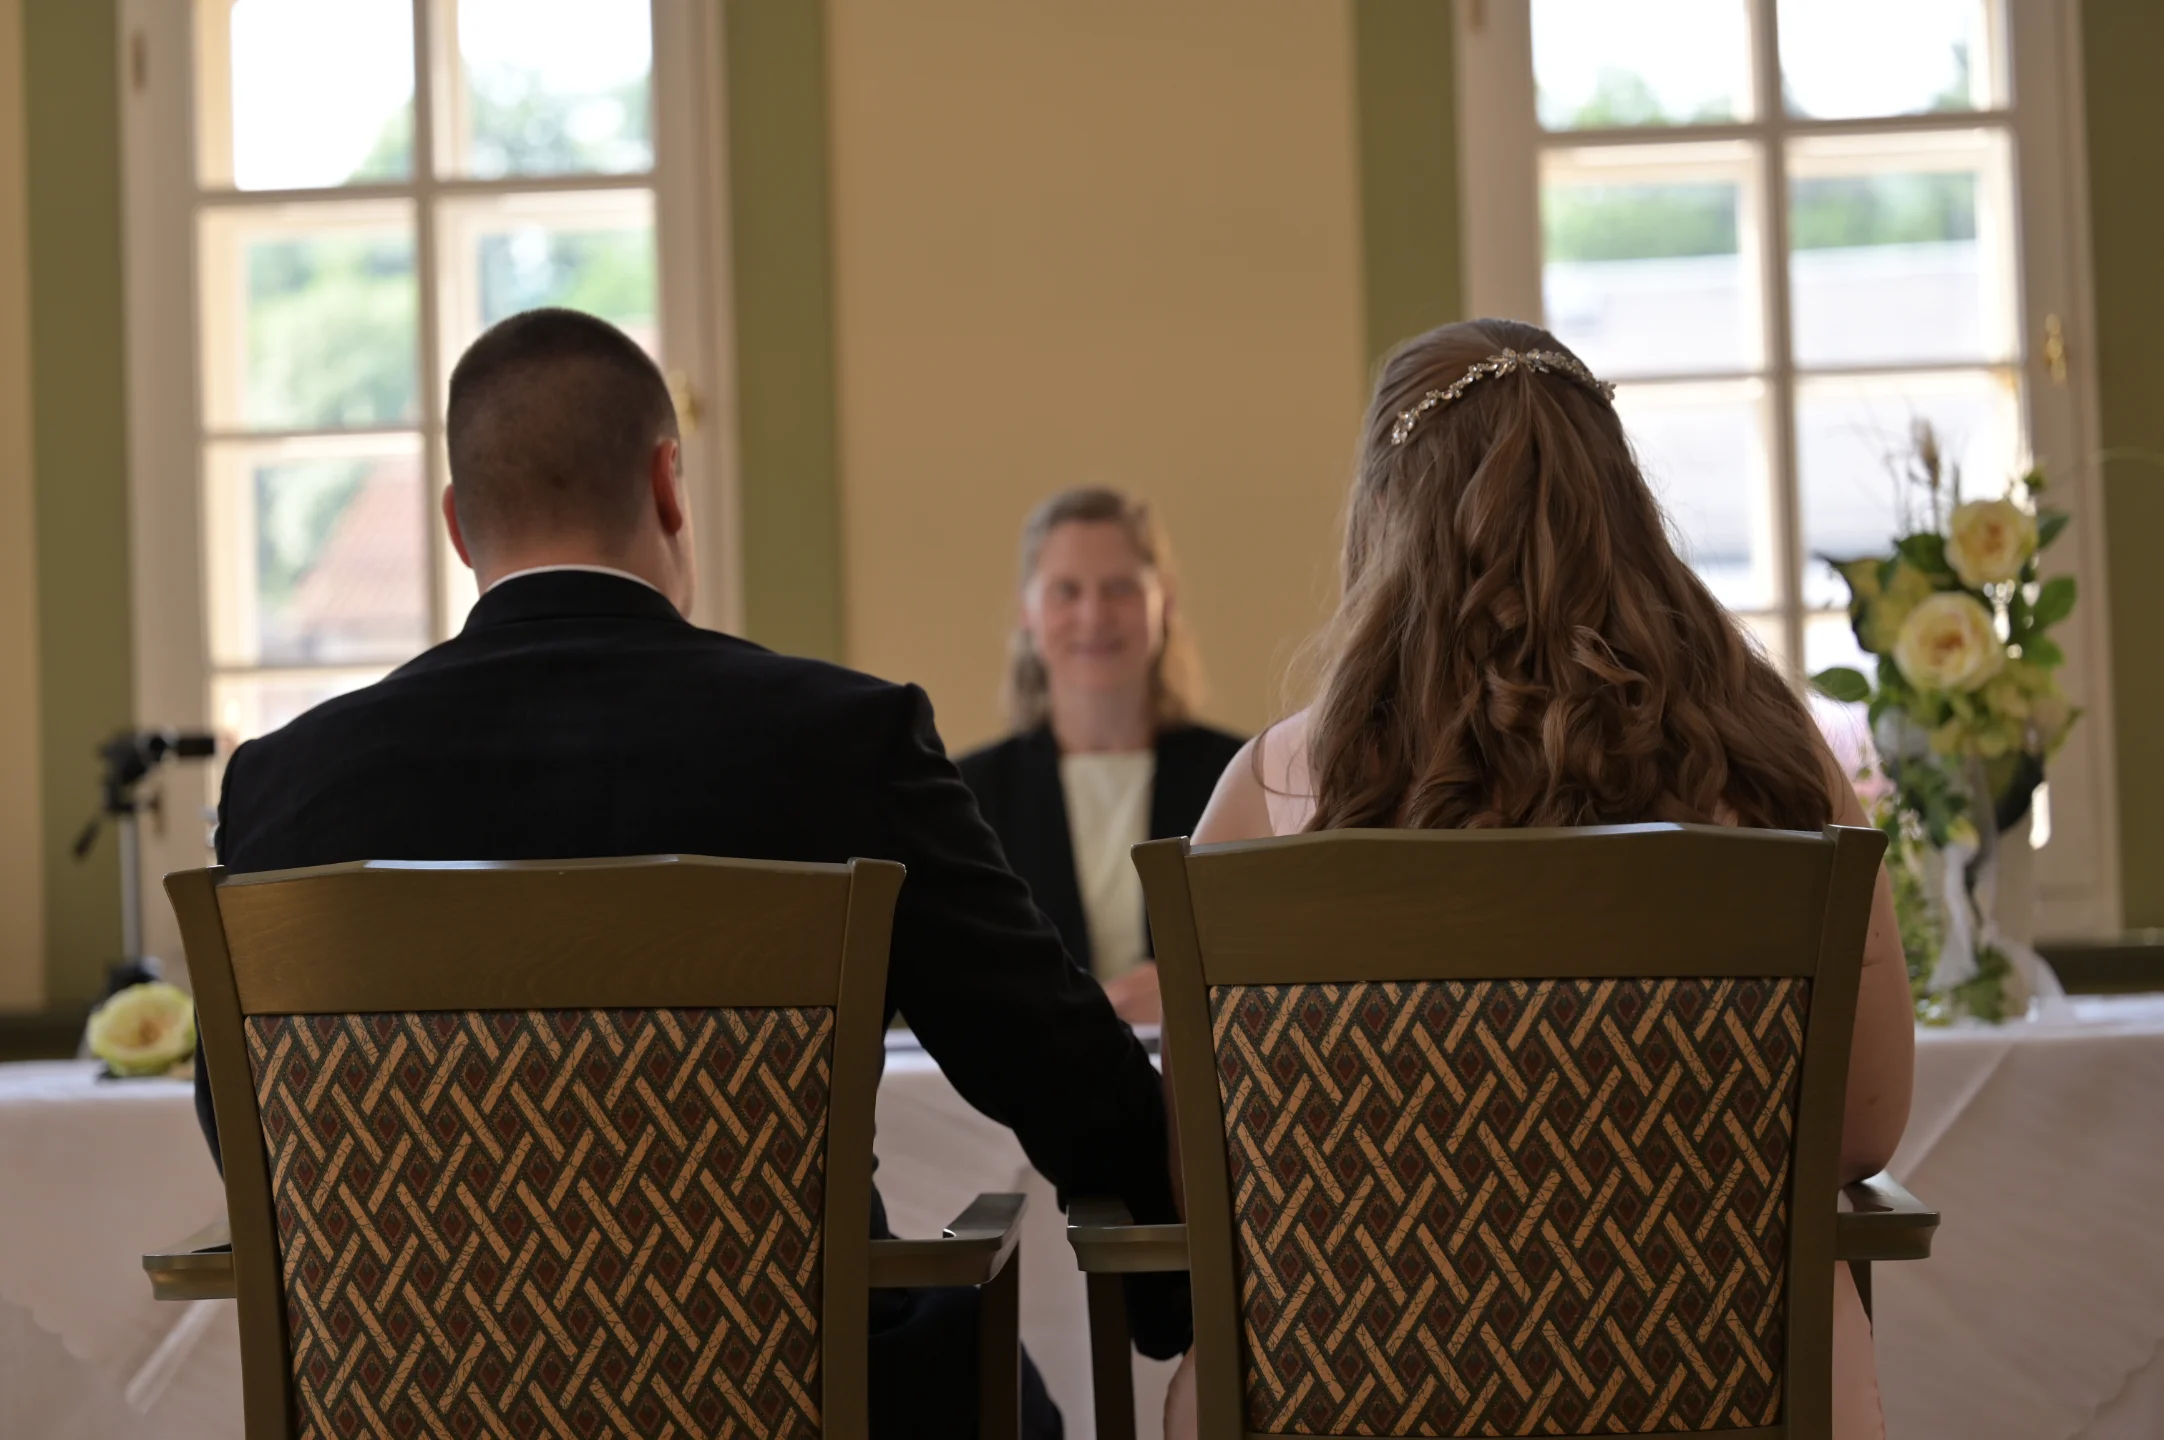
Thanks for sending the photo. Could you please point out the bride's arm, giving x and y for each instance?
(1882, 1054)
(1237, 811)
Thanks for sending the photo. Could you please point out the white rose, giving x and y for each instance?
(145, 1029)
(1947, 643)
(1989, 541)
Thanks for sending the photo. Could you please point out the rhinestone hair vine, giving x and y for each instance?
(1548, 362)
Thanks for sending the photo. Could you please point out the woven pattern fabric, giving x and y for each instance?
(556, 1223)
(1510, 1208)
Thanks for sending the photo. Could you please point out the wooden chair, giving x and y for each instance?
(579, 1145)
(1500, 1132)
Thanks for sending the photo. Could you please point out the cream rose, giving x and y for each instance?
(146, 1029)
(1947, 643)
(1989, 541)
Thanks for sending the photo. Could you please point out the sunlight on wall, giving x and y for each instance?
(1092, 244)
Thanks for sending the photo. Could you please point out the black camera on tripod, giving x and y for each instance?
(130, 758)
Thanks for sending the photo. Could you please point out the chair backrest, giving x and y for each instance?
(1508, 1128)
(542, 1147)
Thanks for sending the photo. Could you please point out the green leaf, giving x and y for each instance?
(2053, 603)
(2040, 650)
(1843, 684)
(1927, 552)
(2048, 525)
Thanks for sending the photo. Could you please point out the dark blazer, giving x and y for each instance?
(579, 715)
(1018, 788)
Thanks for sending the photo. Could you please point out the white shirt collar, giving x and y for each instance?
(585, 569)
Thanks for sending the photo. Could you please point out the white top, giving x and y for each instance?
(1108, 814)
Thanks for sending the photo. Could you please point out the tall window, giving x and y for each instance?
(377, 183)
(1794, 232)
(1796, 246)
(328, 201)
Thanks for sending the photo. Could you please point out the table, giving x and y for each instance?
(91, 1175)
(2040, 1315)
(2041, 1312)
(935, 1155)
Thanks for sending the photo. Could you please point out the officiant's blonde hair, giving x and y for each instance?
(1175, 679)
(1517, 642)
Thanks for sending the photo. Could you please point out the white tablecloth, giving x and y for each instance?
(935, 1156)
(91, 1176)
(2041, 1312)
(2039, 1317)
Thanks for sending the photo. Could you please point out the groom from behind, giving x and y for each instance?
(579, 713)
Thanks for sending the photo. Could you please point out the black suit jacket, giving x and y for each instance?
(1018, 788)
(579, 715)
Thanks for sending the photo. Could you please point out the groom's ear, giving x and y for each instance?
(665, 474)
(450, 523)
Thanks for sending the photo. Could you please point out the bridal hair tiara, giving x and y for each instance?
(1548, 362)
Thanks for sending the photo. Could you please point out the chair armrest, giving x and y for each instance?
(1107, 1241)
(198, 1268)
(973, 1250)
(1880, 1220)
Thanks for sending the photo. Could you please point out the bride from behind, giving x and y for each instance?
(1517, 643)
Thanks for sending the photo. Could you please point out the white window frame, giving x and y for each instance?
(2077, 873)
(168, 511)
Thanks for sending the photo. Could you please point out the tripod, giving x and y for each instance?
(129, 758)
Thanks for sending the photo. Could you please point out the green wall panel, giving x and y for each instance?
(1408, 126)
(782, 254)
(78, 419)
(2123, 46)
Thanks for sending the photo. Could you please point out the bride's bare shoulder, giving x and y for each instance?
(1268, 774)
(1284, 756)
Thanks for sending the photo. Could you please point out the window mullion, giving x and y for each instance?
(425, 262)
(1780, 363)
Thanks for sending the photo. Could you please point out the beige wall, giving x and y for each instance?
(1091, 241)
(22, 894)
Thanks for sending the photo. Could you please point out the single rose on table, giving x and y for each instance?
(145, 1029)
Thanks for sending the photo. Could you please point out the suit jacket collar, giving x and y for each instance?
(569, 595)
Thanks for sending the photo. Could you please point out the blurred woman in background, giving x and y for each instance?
(1105, 754)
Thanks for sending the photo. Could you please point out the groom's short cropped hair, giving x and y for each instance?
(553, 419)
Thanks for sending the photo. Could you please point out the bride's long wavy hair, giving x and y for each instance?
(1517, 642)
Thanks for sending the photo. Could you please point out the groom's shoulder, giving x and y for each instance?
(819, 703)
(801, 681)
(698, 677)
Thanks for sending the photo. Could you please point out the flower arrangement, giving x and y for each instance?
(1965, 709)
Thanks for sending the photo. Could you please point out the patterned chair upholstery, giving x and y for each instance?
(1503, 1133)
(594, 1222)
(561, 1148)
(1502, 1208)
